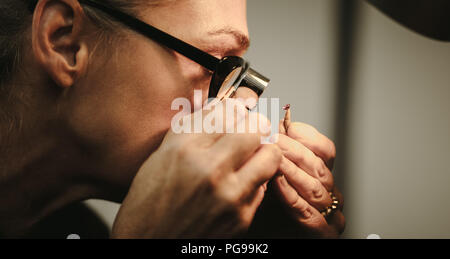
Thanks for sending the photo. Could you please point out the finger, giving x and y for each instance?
(308, 187)
(306, 160)
(337, 221)
(234, 149)
(313, 140)
(281, 128)
(260, 168)
(250, 209)
(287, 118)
(307, 216)
(291, 198)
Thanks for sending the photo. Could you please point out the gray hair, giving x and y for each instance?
(15, 20)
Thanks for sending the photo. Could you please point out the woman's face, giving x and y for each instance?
(121, 108)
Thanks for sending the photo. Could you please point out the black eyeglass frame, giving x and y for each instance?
(221, 67)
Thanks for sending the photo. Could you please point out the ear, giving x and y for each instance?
(57, 42)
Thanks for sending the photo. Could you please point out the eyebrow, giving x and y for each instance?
(242, 40)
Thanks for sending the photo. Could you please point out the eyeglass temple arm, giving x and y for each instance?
(206, 60)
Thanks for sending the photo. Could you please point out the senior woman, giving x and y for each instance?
(85, 112)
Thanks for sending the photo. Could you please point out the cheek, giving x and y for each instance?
(140, 110)
(122, 113)
(195, 77)
(125, 112)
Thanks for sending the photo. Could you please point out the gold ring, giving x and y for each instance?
(331, 209)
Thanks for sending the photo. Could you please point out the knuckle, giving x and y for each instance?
(230, 198)
(319, 168)
(325, 176)
(275, 152)
(218, 182)
(204, 171)
(182, 151)
(302, 208)
(300, 157)
(297, 204)
(316, 189)
(196, 162)
(316, 185)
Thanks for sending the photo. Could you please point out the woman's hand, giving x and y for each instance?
(305, 180)
(199, 185)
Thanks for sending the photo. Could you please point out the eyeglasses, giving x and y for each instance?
(229, 73)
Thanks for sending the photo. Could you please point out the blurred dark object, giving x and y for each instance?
(427, 17)
(76, 219)
(272, 220)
